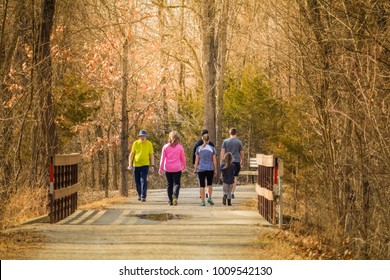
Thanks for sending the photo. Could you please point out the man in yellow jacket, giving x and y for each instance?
(140, 159)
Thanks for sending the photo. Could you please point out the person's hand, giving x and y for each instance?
(152, 168)
(215, 174)
(130, 168)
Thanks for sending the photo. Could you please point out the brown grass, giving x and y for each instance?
(250, 204)
(97, 201)
(22, 205)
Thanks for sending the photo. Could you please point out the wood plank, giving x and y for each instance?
(67, 159)
(268, 194)
(248, 173)
(265, 160)
(66, 191)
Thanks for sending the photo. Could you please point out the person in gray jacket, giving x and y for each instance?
(234, 146)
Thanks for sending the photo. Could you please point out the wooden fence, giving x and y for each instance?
(64, 186)
(268, 187)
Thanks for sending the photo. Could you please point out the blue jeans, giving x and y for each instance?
(140, 178)
(173, 184)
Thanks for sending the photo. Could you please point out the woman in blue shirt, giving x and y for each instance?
(206, 167)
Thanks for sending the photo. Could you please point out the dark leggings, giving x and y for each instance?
(173, 184)
(203, 175)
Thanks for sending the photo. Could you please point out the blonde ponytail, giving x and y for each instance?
(205, 138)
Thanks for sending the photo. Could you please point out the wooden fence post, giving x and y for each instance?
(269, 187)
(63, 186)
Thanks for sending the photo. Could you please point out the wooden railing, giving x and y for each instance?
(268, 187)
(64, 186)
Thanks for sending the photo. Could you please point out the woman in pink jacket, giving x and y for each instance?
(173, 162)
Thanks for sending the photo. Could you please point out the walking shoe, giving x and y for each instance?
(229, 202)
(143, 199)
(232, 195)
(224, 199)
(203, 203)
(174, 200)
(210, 201)
(139, 198)
(207, 195)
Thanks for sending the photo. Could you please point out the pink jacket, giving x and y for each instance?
(173, 158)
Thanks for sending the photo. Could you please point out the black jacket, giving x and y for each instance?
(198, 144)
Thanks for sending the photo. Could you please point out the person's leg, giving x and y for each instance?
(229, 197)
(226, 193)
(137, 181)
(202, 196)
(176, 183)
(144, 181)
(169, 177)
(210, 175)
(234, 185)
(238, 168)
(202, 184)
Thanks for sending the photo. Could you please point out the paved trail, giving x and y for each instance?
(154, 230)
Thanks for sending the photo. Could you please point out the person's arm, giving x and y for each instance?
(242, 157)
(196, 163)
(151, 158)
(162, 161)
(194, 153)
(151, 154)
(131, 158)
(215, 164)
(222, 155)
(183, 159)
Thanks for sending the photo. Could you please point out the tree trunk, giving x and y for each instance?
(10, 34)
(44, 72)
(162, 20)
(221, 63)
(182, 67)
(106, 172)
(124, 135)
(209, 56)
(114, 169)
(100, 155)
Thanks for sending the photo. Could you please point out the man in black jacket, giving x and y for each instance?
(200, 143)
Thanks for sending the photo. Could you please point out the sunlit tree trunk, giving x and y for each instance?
(221, 66)
(124, 134)
(162, 20)
(209, 56)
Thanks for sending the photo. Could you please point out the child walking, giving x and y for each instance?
(228, 170)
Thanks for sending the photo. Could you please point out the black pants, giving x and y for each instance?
(173, 184)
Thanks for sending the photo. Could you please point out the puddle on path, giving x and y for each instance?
(161, 217)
